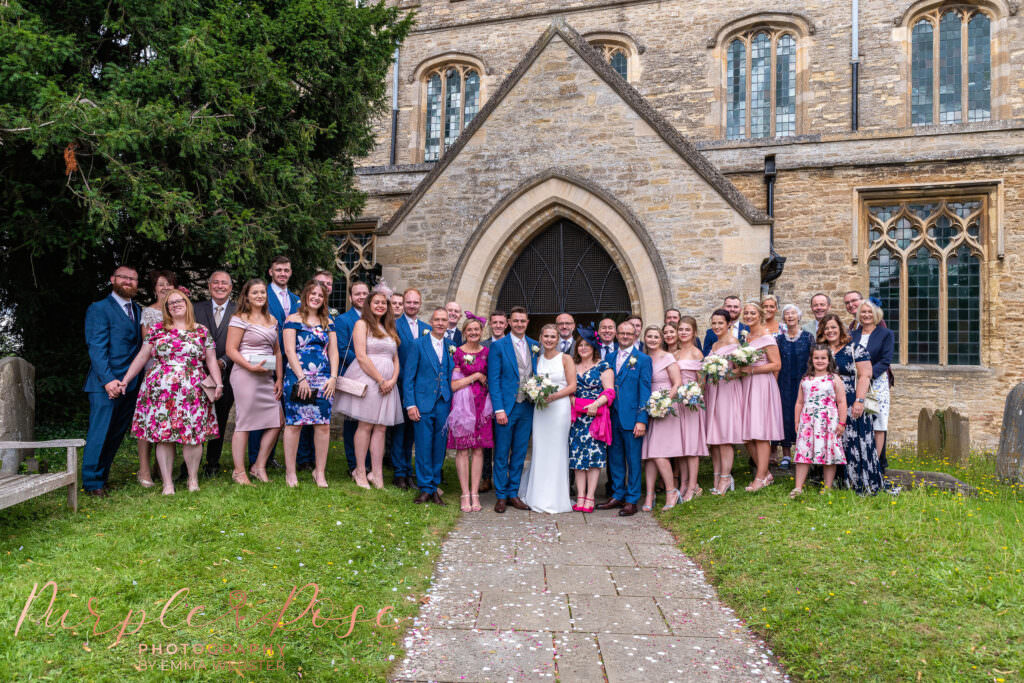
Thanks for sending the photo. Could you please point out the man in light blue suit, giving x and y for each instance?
(358, 292)
(427, 399)
(510, 364)
(409, 328)
(633, 372)
(114, 336)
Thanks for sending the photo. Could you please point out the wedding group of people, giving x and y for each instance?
(580, 398)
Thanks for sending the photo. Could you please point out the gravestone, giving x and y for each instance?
(956, 435)
(929, 433)
(1010, 457)
(17, 409)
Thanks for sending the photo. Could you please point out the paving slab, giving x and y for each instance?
(578, 658)
(659, 582)
(579, 579)
(449, 610)
(470, 577)
(659, 555)
(443, 655)
(704, 618)
(617, 614)
(524, 612)
(642, 659)
(611, 551)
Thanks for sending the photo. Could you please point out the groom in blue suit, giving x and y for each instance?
(427, 396)
(511, 362)
(114, 336)
(633, 372)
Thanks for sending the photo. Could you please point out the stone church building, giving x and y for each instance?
(628, 156)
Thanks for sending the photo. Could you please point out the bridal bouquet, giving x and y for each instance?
(715, 368)
(691, 396)
(745, 355)
(537, 389)
(660, 404)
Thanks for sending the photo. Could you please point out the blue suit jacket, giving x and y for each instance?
(710, 338)
(426, 381)
(274, 304)
(114, 340)
(406, 339)
(343, 326)
(880, 348)
(632, 389)
(503, 372)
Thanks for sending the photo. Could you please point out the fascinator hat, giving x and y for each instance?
(383, 288)
(589, 335)
(470, 316)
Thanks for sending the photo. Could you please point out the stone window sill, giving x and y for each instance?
(945, 370)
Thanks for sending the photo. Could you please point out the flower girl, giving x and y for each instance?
(822, 399)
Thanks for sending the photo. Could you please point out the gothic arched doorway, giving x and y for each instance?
(565, 270)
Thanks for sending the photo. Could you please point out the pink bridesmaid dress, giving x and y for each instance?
(691, 422)
(664, 437)
(725, 407)
(762, 403)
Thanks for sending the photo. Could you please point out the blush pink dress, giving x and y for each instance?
(375, 407)
(725, 407)
(664, 437)
(692, 422)
(762, 403)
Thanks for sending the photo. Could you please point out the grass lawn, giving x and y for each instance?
(133, 550)
(923, 586)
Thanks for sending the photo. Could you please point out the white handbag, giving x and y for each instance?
(269, 362)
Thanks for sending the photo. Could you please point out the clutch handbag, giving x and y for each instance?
(269, 362)
(309, 400)
(350, 386)
(209, 388)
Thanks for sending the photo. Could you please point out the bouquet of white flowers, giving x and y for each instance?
(538, 388)
(745, 355)
(715, 368)
(660, 404)
(691, 396)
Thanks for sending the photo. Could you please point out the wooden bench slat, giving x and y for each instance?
(26, 445)
(29, 486)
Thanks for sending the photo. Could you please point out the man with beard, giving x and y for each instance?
(114, 336)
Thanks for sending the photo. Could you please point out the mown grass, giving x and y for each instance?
(924, 586)
(133, 550)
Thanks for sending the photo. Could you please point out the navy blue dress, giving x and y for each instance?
(863, 469)
(311, 348)
(586, 452)
(794, 356)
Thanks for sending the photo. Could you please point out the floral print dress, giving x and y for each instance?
(817, 442)
(311, 348)
(172, 407)
(863, 472)
(586, 452)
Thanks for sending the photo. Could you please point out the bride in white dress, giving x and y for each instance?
(545, 487)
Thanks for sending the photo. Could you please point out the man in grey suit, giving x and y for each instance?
(215, 314)
(566, 325)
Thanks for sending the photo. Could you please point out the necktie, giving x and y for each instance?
(129, 311)
(607, 350)
(218, 315)
(284, 301)
(565, 346)
(620, 360)
(521, 351)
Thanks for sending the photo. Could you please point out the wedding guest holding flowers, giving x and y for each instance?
(664, 438)
(794, 351)
(762, 407)
(877, 339)
(724, 404)
(822, 399)
(770, 305)
(375, 342)
(161, 282)
(863, 471)
(692, 421)
(311, 347)
(256, 379)
(591, 430)
(172, 407)
(469, 424)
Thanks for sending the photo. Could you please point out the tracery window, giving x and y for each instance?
(453, 100)
(925, 260)
(616, 56)
(761, 84)
(951, 66)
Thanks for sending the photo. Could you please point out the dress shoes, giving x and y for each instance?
(422, 498)
(402, 483)
(518, 504)
(437, 499)
(627, 510)
(211, 471)
(610, 504)
(98, 493)
(499, 506)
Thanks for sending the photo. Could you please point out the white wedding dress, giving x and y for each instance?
(545, 486)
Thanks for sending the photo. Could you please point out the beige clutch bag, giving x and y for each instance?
(209, 388)
(351, 386)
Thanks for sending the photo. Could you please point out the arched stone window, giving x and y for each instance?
(452, 98)
(619, 51)
(926, 252)
(761, 83)
(951, 64)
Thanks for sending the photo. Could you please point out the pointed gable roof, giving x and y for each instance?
(683, 147)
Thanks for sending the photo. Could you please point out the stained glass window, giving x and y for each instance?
(884, 283)
(433, 142)
(958, 87)
(923, 308)
(736, 86)
(950, 78)
(760, 85)
(979, 69)
(785, 86)
(447, 106)
(619, 62)
(921, 74)
(749, 101)
(964, 317)
(616, 55)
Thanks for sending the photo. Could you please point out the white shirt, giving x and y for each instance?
(125, 304)
(438, 348)
(282, 296)
(607, 348)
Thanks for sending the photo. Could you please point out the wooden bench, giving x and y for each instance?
(17, 488)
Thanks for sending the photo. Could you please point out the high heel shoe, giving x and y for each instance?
(669, 506)
(240, 478)
(361, 480)
(320, 480)
(646, 508)
(145, 483)
(475, 507)
(588, 508)
(731, 487)
(291, 480)
(259, 474)
(464, 507)
(755, 486)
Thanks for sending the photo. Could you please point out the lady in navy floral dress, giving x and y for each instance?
(590, 432)
(312, 371)
(795, 349)
(863, 470)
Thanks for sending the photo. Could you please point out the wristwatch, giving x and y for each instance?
(860, 400)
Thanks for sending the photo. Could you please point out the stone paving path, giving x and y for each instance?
(532, 597)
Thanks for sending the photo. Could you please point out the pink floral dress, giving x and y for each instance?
(816, 440)
(172, 407)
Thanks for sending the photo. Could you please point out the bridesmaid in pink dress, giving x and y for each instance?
(762, 404)
(724, 408)
(688, 358)
(469, 425)
(664, 439)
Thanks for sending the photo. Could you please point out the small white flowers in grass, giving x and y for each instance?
(538, 388)
(715, 368)
(659, 405)
(691, 396)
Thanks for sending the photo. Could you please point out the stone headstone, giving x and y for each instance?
(17, 409)
(956, 433)
(1010, 457)
(929, 433)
